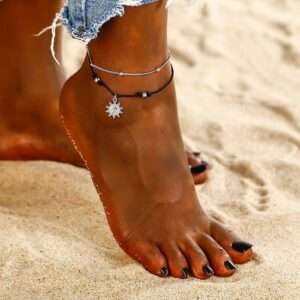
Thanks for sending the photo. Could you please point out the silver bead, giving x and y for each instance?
(121, 74)
(97, 79)
(144, 95)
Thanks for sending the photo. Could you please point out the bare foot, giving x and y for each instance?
(138, 162)
(30, 126)
(146, 188)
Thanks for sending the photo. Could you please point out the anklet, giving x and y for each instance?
(114, 108)
(116, 73)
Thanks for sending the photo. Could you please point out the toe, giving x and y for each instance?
(200, 178)
(199, 168)
(197, 259)
(218, 258)
(150, 256)
(177, 263)
(240, 251)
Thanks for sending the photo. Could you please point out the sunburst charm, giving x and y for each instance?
(114, 108)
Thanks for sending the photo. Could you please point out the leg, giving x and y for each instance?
(138, 162)
(30, 83)
(30, 127)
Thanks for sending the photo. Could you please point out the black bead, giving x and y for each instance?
(144, 94)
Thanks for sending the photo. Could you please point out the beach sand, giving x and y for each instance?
(238, 81)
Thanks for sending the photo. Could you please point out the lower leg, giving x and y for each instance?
(30, 84)
(138, 162)
(106, 49)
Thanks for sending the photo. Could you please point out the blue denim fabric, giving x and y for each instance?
(84, 18)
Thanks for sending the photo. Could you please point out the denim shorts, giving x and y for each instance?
(84, 18)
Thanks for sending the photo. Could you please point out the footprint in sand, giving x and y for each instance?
(252, 182)
(243, 190)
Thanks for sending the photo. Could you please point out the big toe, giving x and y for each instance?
(240, 251)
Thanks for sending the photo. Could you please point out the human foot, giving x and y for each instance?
(30, 126)
(146, 187)
(138, 163)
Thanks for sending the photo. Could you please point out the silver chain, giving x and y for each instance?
(116, 73)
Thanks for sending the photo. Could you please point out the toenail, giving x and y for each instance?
(196, 153)
(208, 270)
(241, 246)
(186, 273)
(164, 272)
(229, 265)
(200, 168)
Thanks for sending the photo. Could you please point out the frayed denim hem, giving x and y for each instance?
(84, 22)
(84, 18)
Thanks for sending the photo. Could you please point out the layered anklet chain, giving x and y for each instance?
(116, 73)
(114, 109)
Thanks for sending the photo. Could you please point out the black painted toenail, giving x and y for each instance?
(186, 273)
(164, 272)
(229, 265)
(208, 270)
(200, 168)
(241, 246)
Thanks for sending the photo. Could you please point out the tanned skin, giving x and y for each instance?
(30, 84)
(138, 162)
(30, 127)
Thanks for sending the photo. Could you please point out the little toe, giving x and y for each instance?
(239, 250)
(218, 258)
(177, 263)
(150, 256)
(197, 260)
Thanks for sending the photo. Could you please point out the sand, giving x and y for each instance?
(238, 78)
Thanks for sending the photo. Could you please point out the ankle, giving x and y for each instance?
(135, 50)
(120, 47)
